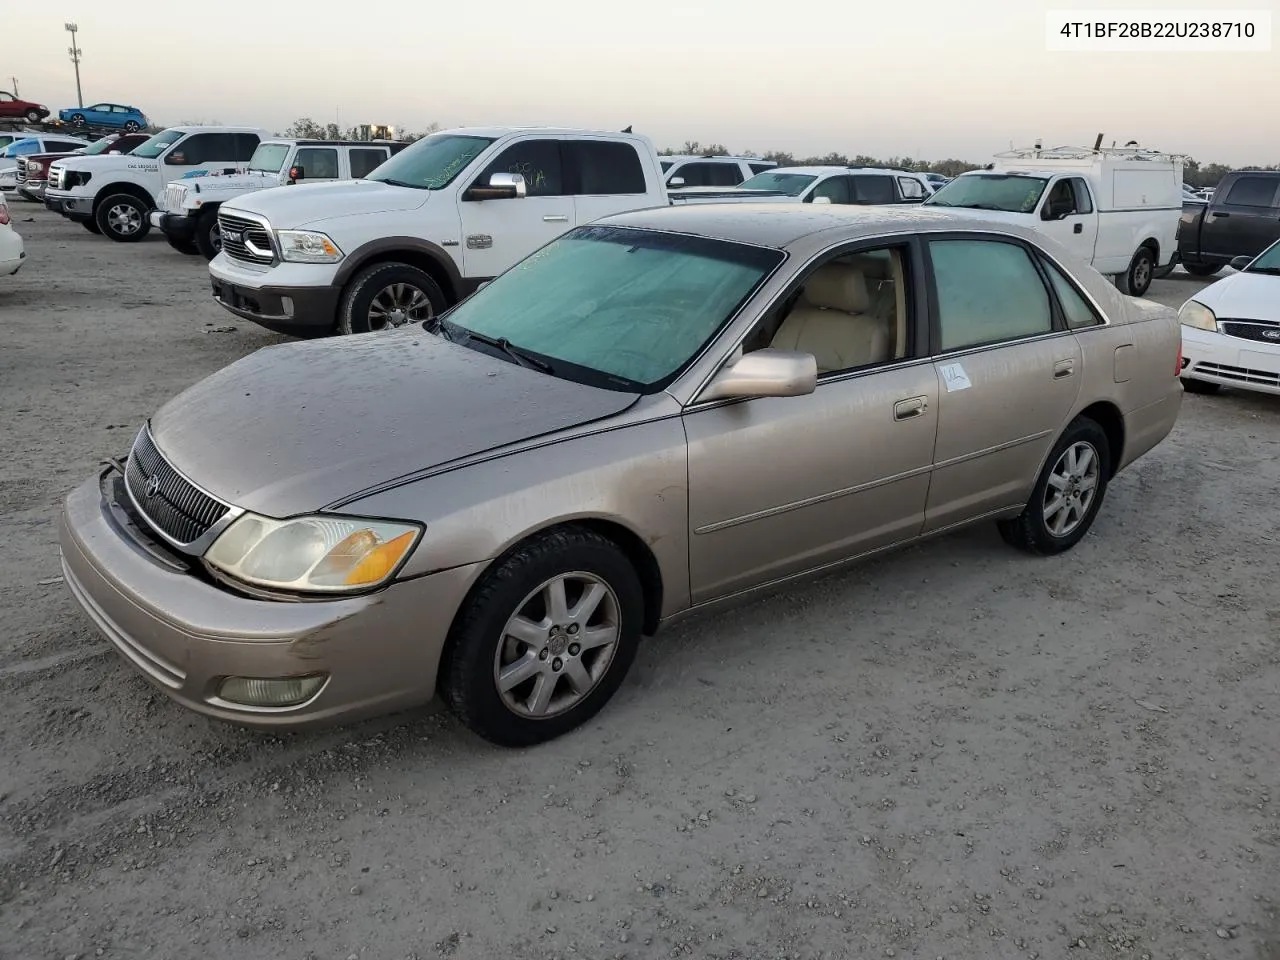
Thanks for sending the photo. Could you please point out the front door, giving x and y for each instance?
(1008, 373)
(1068, 215)
(1245, 221)
(783, 485)
(496, 234)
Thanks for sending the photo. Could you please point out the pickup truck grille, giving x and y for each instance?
(22, 169)
(55, 178)
(167, 499)
(1260, 330)
(173, 197)
(246, 240)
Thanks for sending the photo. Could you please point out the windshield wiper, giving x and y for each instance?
(522, 357)
(401, 183)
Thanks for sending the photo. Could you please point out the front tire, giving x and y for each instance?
(123, 218)
(1067, 495)
(1137, 279)
(33, 116)
(545, 639)
(183, 246)
(1200, 386)
(208, 235)
(1202, 269)
(91, 226)
(77, 119)
(131, 126)
(389, 295)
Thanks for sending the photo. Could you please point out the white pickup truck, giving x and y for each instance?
(115, 194)
(1116, 209)
(425, 229)
(187, 214)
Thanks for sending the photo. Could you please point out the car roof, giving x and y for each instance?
(312, 142)
(698, 156)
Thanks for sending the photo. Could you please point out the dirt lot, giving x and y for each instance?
(956, 751)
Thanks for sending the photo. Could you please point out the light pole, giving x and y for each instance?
(71, 28)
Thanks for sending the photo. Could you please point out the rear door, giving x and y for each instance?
(605, 177)
(1243, 220)
(1067, 214)
(9, 107)
(1008, 372)
(362, 161)
(873, 189)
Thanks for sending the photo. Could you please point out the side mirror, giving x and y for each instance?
(764, 373)
(1239, 263)
(297, 173)
(502, 186)
(826, 200)
(175, 159)
(675, 182)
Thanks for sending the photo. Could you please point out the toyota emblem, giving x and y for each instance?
(153, 487)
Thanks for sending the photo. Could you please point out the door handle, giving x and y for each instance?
(907, 409)
(1220, 216)
(555, 218)
(1063, 369)
(1079, 228)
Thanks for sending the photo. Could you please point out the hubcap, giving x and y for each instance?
(1142, 273)
(1073, 483)
(124, 219)
(557, 646)
(398, 304)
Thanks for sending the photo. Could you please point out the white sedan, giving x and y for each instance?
(11, 253)
(1231, 329)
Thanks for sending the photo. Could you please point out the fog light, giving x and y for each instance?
(286, 305)
(282, 692)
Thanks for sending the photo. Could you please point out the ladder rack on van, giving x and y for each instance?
(1088, 153)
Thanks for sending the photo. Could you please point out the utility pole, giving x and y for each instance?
(15, 88)
(71, 28)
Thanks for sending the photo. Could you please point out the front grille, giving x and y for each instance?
(1265, 378)
(173, 197)
(22, 169)
(56, 177)
(167, 499)
(245, 240)
(1263, 331)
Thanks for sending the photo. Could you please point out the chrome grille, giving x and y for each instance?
(1262, 331)
(174, 194)
(22, 169)
(56, 177)
(246, 240)
(167, 499)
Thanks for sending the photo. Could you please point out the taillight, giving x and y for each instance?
(1177, 371)
(4, 215)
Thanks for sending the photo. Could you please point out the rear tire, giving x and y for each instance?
(564, 665)
(131, 126)
(1200, 386)
(388, 295)
(123, 218)
(183, 246)
(33, 116)
(1137, 279)
(1202, 269)
(1067, 495)
(77, 119)
(208, 236)
(91, 226)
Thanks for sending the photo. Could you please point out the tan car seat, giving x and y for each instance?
(832, 321)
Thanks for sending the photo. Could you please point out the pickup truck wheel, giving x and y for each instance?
(123, 218)
(183, 246)
(208, 236)
(1137, 279)
(91, 226)
(389, 295)
(1067, 495)
(1202, 269)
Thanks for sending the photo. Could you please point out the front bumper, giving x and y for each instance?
(1230, 361)
(175, 225)
(294, 310)
(379, 652)
(71, 206)
(33, 190)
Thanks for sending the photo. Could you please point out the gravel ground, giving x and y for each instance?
(955, 751)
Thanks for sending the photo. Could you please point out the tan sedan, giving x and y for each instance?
(652, 415)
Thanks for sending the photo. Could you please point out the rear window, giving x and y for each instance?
(365, 160)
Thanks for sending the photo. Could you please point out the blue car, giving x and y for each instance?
(113, 115)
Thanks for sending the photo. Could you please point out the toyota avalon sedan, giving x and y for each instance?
(654, 414)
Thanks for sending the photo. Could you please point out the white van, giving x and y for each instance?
(1116, 209)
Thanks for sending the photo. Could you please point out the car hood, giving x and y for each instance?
(104, 162)
(308, 203)
(1244, 296)
(297, 426)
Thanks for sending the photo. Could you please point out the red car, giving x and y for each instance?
(11, 108)
(33, 170)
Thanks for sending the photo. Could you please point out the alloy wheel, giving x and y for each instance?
(398, 304)
(1072, 485)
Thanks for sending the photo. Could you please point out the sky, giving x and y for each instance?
(929, 79)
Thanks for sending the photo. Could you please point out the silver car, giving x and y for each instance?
(654, 414)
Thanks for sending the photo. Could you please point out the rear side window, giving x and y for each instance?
(538, 161)
(1253, 192)
(64, 145)
(988, 292)
(912, 189)
(1075, 308)
(761, 167)
(317, 163)
(364, 160)
(701, 174)
(605, 167)
(873, 189)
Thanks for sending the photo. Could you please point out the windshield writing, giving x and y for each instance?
(1012, 193)
(615, 307)
(432, 163)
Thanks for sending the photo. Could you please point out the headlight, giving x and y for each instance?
(313, 554)
(1196, 314)
(307, 246)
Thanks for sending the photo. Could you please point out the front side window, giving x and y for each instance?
(158, 144)
(365, 160)
(618, 308)
(538, 161)
(1013, 193)
(318, 163)
(988, 291)
(792, 184)
(205, 148)
(1061, 201)
(432, 163)
(834, 189)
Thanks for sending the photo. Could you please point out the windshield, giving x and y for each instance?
(432, 163)
(792, 184)
(1012, 193)
(615, 307)
(269, 157)
(1268, 261)
(158, 144)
